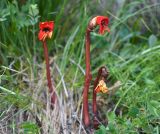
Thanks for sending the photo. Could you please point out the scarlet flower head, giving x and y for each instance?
(101, 87)
(102, 21)
(46, 29)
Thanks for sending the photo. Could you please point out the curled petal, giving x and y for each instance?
(101, 87)
(41, 35)
(106, 29)
(102, 29)
(50, 34)
(102, 21)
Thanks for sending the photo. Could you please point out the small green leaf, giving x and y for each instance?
(133, 111)
(153, 110)
(101, 130)
(152, 40)
(111, 116)
(29, 128)
(33, 10)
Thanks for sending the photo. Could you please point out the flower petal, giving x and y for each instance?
(41, 35)
(106, 28)
(46, 29)
(101, 87)
(101, 29)
(49, 24)
(102, 21)
(49, 34)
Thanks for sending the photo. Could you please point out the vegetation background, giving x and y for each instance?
(131, 51)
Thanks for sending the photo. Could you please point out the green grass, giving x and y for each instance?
(131, 52)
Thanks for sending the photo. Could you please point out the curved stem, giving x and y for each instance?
(88, 75)
(91, 25)
(50, 86)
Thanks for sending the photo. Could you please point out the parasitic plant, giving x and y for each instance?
(102, 22)
(46, 30)
(99, 86)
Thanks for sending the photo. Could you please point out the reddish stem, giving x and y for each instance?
(94, 103)
(102, 74)
(92, 24)
(50, 86)
(88, 78)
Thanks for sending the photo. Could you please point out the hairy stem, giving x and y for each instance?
(50, 86)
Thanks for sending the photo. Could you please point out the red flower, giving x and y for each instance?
(102, 21)
(46, 29)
